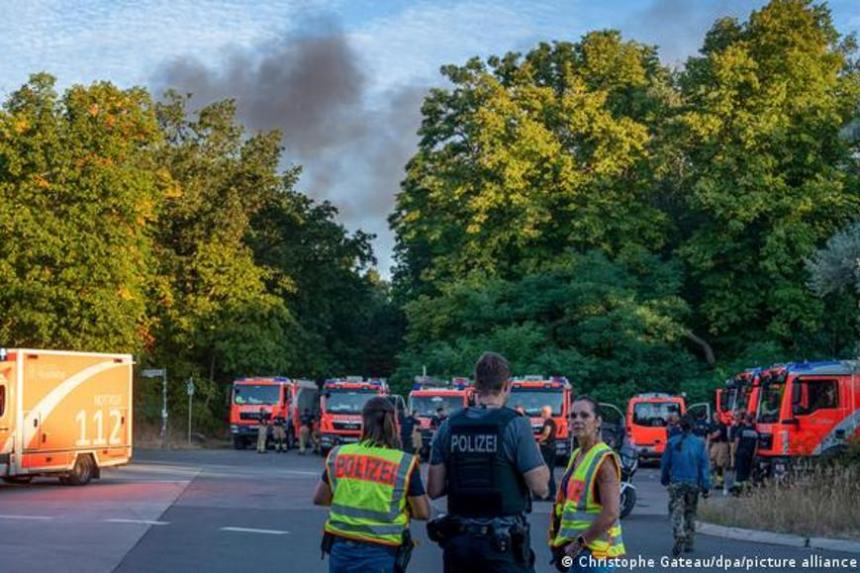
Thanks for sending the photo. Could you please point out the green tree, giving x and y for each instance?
(764, 174)
(215, 316)
(349, 324)
(613, 329)
(834, 272)
(79, 187)
(526, 157)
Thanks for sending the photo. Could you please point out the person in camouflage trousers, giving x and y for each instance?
(683, 503)
(685, 470)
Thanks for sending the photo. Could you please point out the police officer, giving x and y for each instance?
(485, 459)
(685, 470)
(373, 489)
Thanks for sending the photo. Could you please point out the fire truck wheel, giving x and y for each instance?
(81, 473)
(18, 479)
(239, 443)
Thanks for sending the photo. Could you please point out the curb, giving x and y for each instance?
(785, 539)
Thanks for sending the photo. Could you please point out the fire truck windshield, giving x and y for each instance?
(771, 400)
(427, 405)
(654, 413)
(249, 395)
(533, 399)
(347, 401)
(726, 398)
(743, 398)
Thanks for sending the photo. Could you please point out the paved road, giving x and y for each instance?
(223, 510)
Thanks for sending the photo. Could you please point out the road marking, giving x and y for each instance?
(36, 517)
(249, 530)
(138, 521)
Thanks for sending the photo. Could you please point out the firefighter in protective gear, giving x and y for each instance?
(373, 489)
(279, 434)
(485, 459)
(585, 524)
(262, 431)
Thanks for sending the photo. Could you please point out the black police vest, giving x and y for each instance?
(482, 482)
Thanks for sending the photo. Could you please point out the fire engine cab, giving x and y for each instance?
(340, 407)
(648, 417)
(807, 409)
(533, 393)
(428, 395)
(272, 398)
(740, 395)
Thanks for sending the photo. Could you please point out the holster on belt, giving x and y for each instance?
(521, 543)
(326, 543)
(404, 552)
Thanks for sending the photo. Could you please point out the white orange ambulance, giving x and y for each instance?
(67, 414)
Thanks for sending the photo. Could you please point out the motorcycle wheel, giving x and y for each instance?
(628, 501)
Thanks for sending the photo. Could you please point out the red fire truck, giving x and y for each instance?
(533, 393)
(277, 398)
(428, 395)
(807, 409)
(739, 395)
(341, 404)
(648, 416)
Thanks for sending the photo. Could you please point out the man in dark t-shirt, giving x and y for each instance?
(546, 440)
(746, 443)
(407, 426)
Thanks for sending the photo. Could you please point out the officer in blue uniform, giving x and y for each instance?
(485, 459)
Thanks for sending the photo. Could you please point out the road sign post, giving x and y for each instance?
(155, 373)
(189, 387)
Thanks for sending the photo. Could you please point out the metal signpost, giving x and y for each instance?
(155, 373)
(189, 387)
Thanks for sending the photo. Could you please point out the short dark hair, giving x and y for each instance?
(687, 422)
(491, 373)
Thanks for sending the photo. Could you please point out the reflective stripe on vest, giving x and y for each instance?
(369, 486)
(577, 509)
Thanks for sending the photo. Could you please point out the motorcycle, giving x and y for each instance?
(615, 436)
(629, 464)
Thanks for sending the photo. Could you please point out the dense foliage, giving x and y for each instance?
(581, 208)
(134, 226)
(592, 213)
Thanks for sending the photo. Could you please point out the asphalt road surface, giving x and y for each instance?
(230, 511)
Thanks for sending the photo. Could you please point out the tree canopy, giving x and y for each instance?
(591, 156)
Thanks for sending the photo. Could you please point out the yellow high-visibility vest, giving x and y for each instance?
(575, 508)
(369, 486)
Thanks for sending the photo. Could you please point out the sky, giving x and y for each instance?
(342, 79)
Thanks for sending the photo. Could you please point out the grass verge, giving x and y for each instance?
(822, 503)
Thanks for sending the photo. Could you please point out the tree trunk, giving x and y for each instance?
(701, 343)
